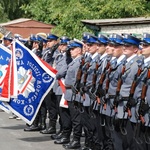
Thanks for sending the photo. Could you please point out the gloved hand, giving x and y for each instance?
(100, 92)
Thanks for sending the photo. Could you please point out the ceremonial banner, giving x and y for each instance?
(63, 102)
(5, 65)
(34, 82)
(4, 107)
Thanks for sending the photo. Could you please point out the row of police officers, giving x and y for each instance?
(107, 87)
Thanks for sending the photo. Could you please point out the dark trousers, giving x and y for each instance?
(126, 142)
(66, 123)
(43, 110)
(107, 133)
(92, 127)
(58, 98)
(71, 118)
(75, 118)
(50, 101)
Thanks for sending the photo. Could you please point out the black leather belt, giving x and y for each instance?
(68, 87)
(121, 98)
(124, 98)
(112, 96)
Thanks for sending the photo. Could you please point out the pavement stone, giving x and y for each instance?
(13, 136)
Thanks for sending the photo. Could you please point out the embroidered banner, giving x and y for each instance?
(34, 82)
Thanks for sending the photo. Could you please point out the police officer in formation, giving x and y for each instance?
(49, 55)
(62, 60)
(107, 87)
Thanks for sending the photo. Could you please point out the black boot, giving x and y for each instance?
(88, 145)
(74, 144)
(34, 126)
(43, 123)
(56, 136)
(65, 138)
(50, 130)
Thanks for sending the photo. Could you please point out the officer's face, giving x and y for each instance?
(92, 48)
(109, 49)
(118, 50)
(51, 43)
(129, 50)
(101, 48)
(85, 48)
(7, 42)
(75, 52)
(146, 50)
(59, 47)
(35, 45)
(63, 47)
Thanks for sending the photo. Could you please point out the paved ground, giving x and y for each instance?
(12, 136)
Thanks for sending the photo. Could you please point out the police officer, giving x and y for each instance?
(117, 44)
(29, 42)
(139, 129)
(102, 89)
(51, 51)
(49, 56)
(92, 132)
(62, 61)
(71, 115)
(7, 40)
(124, 139)
(37, 46)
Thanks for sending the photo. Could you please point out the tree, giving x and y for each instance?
(3, 16)
(11, 8)
(67, 14)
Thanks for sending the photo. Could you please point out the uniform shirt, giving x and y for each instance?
(70, 77)
(113, 80)
(90, 71)
(138, 90)
(131, 68)
(50, 56)
(61, 67)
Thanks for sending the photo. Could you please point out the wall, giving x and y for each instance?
(29, 27)
(138, 29)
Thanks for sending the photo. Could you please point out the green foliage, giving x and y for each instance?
(11, 8)
(3, 16)
(66, 15)
(123, 8)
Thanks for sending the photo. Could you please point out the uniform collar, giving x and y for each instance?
(120, 59)
(113, 58)
(104, 55)
(94, 55)
(146, 60)
(131, 57)
(75, 59)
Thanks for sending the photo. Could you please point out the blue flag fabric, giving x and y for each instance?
(4, 107)
(34, 82)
